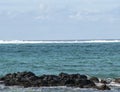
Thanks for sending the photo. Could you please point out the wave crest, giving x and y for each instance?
(56, 41)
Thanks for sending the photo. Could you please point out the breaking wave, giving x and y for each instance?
(55, 41)
(51, 89)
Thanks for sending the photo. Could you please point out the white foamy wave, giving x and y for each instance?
(56, 41)
(51, 89)
(114, 84)
(46, 89)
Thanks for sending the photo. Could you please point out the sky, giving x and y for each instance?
(59, 19)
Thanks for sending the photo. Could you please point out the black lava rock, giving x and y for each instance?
(29, 79)
(94, 79)
(103, 87)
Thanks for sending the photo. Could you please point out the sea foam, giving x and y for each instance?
(55, 41)
(51, 89)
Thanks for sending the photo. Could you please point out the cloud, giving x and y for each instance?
(9, 14)
(80, 10)
(87, 14)
(42, 6)
(96, 15)
(41, 17)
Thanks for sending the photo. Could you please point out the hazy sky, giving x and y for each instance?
(59, 19)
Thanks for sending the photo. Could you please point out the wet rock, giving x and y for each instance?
(64, 76)
(103, 81)
(106, 81)
(1, 82)
(117, 80)
(72, 80)
(87, 83)
(103, 87)
(25, 75)
(21, 78)
(2, 79)
(51, 80)
(78, 76)
(72, 76)
(69, 82)
(50, 77)
(29, 79)
(94, 79)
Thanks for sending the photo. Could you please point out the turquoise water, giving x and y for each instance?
(93, 59)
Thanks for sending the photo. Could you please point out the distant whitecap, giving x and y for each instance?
(55, 41)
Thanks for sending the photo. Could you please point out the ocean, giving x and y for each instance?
(93, 58)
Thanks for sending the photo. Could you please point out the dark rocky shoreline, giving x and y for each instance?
(29, 79)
